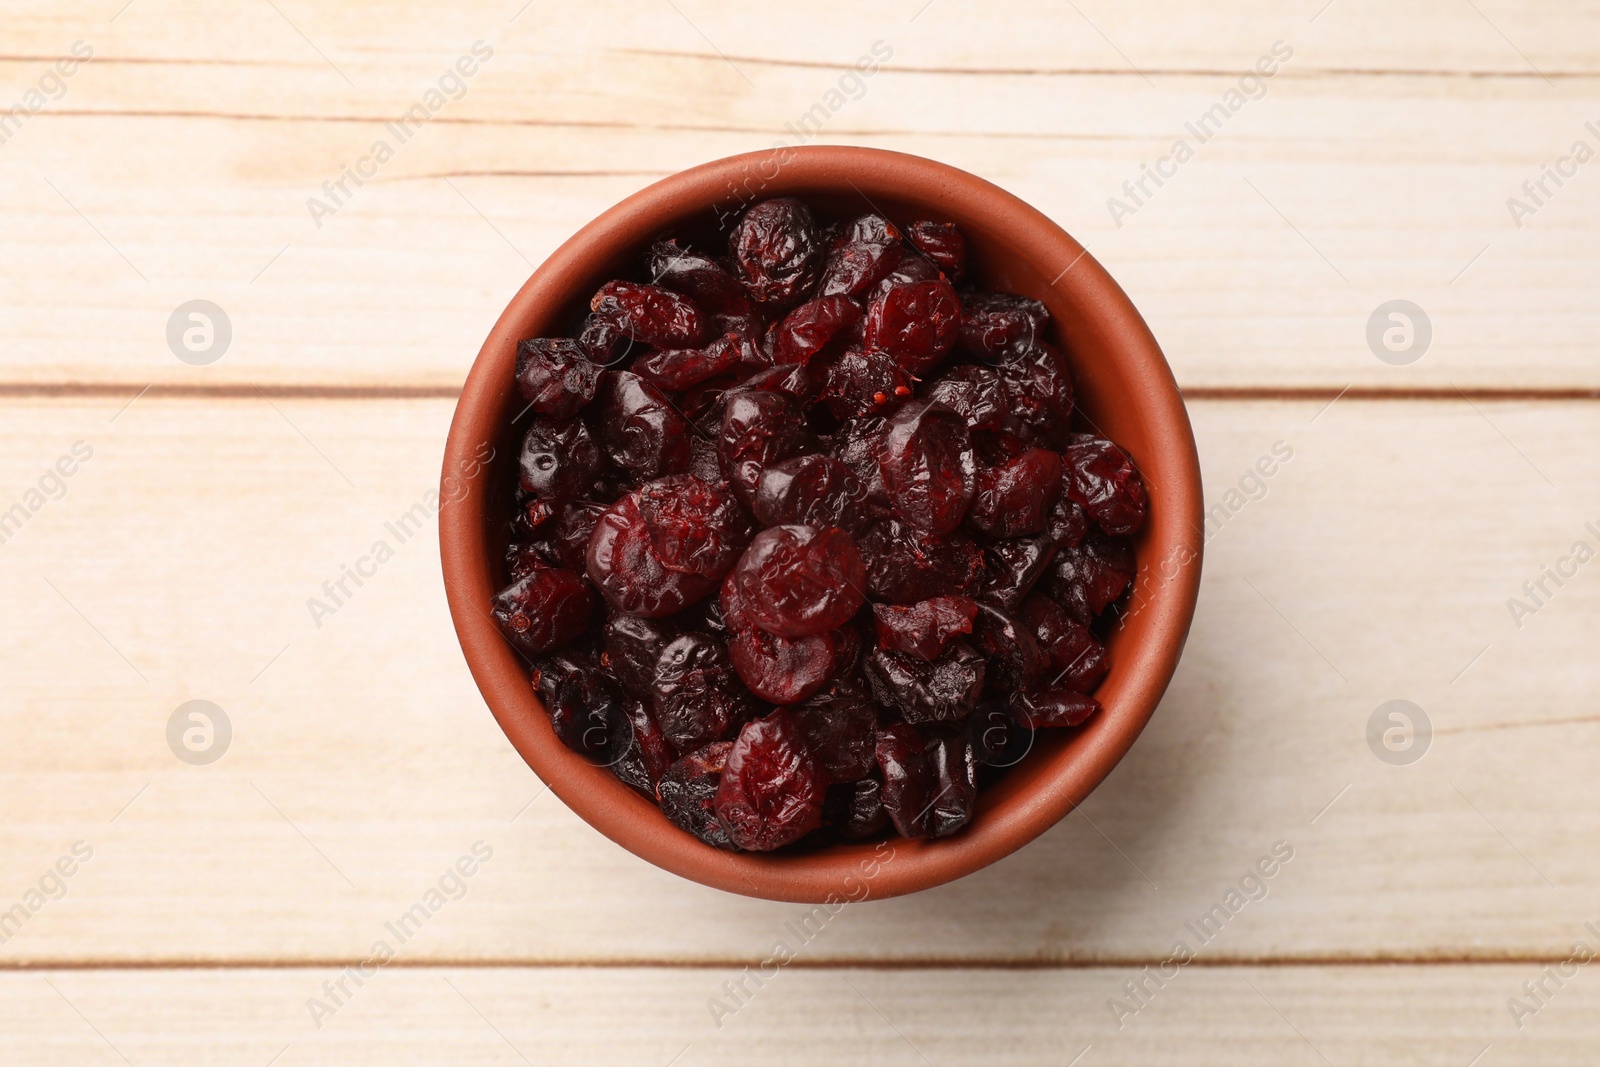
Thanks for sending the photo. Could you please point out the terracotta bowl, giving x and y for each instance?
(1125, 390)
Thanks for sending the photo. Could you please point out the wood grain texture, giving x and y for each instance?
(1377, 165)
(1378, 1016)
(1377, 565)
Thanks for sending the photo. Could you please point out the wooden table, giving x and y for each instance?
(216, 913)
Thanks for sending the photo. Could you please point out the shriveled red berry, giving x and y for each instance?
(908, 779)
(923, 629)
(862, 383)
(810, 490)
(574, 526)
(638, 427)
(642, 753)
(759, 428)
(585, 710)
(905, 566)
(699, 277)
(809, 328)
(938, 690)
(860, 258)
(606, 343)
(623, 564)
(928, 470)
(955, 776)
(910, 269)
(697, 696)
(1056, 706)
(772, 789)
(855, 809)
(942, 243)
(688, 791)
(1068, 522)
(1102, 478)
(973, 392)
(1014, 498)
(652, 314)
(1012, 568)
(544, 609)
(1089, 578)
(633, 646)
(559, 459)
(917, 323)
(681, 368)
(1077, 660)
(777, 250)
(783, 670)
(796, 581)
(839, 725)
(695, 527)
(1015, 658)
(1039, 395)
(556, 376)
(997, 327)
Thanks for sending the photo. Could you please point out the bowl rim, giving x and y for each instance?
(1175, 529)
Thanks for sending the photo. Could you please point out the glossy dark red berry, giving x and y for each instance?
(839, 725)
(923, 629)
(639, 428)
(759, 428)
(797, 581)
(559, 459)
(997, 327)
(641, 752)
(1012, 568)
(777, 250)
(556, 376)
(772, 789)
(975, 393)
(696, 527)
(939, 690)
(955, 776)
(928, 469)
(861, 383)
(917, 323)
(1014, 498)
(855, 809)
(623, 564)
(1039, 394)
(683, 368)
(1089, 578)
(908, 779)
(697, 276)
(542, 610)
(783, 670)
(942, 244)
(652, 315)
(1056, 706)
(696, 695)
(904, 565)
(1102, 479)
(809, 328)
(632, 647)
(688, 791)
(810, 490)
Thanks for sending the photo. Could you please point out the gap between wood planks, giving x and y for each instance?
(1108, 963)
(249, 390)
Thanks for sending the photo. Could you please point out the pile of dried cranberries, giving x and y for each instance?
(847, 547)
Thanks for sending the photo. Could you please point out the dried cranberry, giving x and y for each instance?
(542, 610)
(694, 526)
(1102, 478)
(928, 467)
(955, 775)
(997, 327)
(556, 376)
(606, 343)
(1012, 568)
(854, 266)
(700, 278)
(923, 629)
(574, 527)
(909, 270)
(942, 243)
(783, 670)
(809, 490)
(856, 444)
(975, 393)
(559, 459)
(585, 710)
(796, 581)
(1077, 660)
(809, 328)
(855, 809)
(633, 646)
(862, 383)
(905, 566)
(639, 428)
(1089, 578)
(652, 315)
(998, 739)
(688, 791)
(1015, 498)
(696, 694)
(1068, 521)
(776, 250)
(839, 725)
(1015, 658)
(772, 790)
(641, 752)
(759, 428)
(916, 323)
(624, 566)
(523, 559)
(908, 780)
(1057, 706)
(681, 368)
(1038, 389)
(939, 690)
